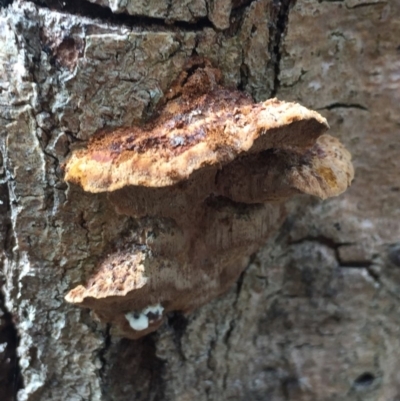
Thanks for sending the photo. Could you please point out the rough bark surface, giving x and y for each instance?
(315, 315)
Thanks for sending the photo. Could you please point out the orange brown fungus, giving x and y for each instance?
(206, 180)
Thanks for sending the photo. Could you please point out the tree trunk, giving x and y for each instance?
(315, 314)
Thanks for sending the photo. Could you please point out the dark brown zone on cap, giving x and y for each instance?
(154, 135)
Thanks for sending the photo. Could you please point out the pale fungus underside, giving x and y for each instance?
(206, 180)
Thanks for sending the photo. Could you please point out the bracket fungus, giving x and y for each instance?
(206, 181)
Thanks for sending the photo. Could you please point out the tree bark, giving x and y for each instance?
(315, 314)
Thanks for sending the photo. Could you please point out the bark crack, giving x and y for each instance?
(178, 322)
(278, 27)
(10, 374)
(366, 4)
(5, 3)
(232, 323)
(367, 265)
(340, 105)
(94, 11)
(103, 353)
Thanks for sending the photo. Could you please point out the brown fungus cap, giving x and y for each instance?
(220, 127)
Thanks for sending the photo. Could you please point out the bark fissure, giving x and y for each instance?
(343, 106)
(10, 374)
(232, 323)
(178, 323)
(96, 12)
(5, 3)
(366, 265)
(366, 4)
(103, 353)
(278, 26)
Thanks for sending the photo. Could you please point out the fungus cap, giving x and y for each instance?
(215, 131)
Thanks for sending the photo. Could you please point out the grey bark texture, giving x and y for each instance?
(315, 316)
